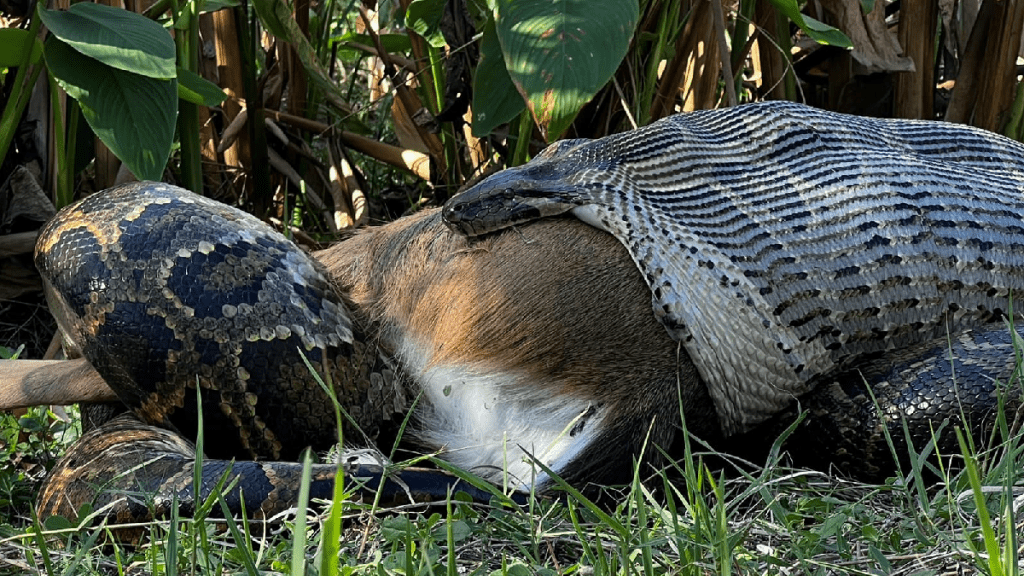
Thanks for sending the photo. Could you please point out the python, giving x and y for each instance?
(532, 345)
(535, 344)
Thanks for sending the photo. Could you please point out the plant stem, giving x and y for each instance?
(187, 42)
(262, 194)
(522, 153)
(786, 45)
(21, 91)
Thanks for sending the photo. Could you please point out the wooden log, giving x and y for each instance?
(18, 243)
(41, 382)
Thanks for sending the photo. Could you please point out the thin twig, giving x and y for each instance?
(723, 50)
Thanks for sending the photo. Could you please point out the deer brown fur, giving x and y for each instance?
(547, 315)
(552, 319)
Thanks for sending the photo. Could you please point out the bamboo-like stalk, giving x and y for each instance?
(343, 217)
(717, 12)
(672, 76)
(229, 68)
(297, 85)
(409, 99)
(261, 193)
(232, 132)
(207, 135)
(186, 43)
(915, 91)
(773, 60)
(360, 210)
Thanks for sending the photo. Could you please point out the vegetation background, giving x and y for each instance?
(324, 115)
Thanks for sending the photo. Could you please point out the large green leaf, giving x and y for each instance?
(133, 115)
(14, 42)
(816, 30)
(559, 54)
(495, 99)
(118, 38)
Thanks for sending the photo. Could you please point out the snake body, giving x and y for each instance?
(233, 301)
(149, 281)
(793, 252)
(165, 293)
(783, 244)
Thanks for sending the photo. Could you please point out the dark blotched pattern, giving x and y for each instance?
(162, 289)
(781, 242)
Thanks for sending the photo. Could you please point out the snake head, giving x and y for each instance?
(529, 192)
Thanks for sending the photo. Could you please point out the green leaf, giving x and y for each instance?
(8, 354)
(58, 523)
(268, 17)
(559, 54)
(117, 38)
(818, 31)
(424, 17)
(198, 90)
(495, 99)
(214, 5)
(12, 48)
(133, 115)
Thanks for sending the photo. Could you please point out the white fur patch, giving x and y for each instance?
(487, 421)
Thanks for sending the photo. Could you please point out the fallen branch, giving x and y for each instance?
(43, 382)
(17, 244)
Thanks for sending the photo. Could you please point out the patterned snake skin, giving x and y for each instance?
(163, 290)
(793, 252)
(785, 244)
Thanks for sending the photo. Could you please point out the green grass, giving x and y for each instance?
(692, 521)
(686, 519)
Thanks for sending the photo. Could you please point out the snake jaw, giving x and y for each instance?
(513, 196)
(476, 214)
(545, 186)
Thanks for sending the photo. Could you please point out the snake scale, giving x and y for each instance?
(792, 252)
(164, 292)
(783, 244)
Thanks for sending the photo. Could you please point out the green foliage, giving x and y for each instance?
(119, 66)
(198, 90)
(132, 114)
(28, 71)
(767, 519)
(495, 99)
(117, 38)
(424, 18)
(818, 31)
(8, 354)
(393, 43)
(14, 46)
(28, 446)
(558, 55)
(552, 58)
